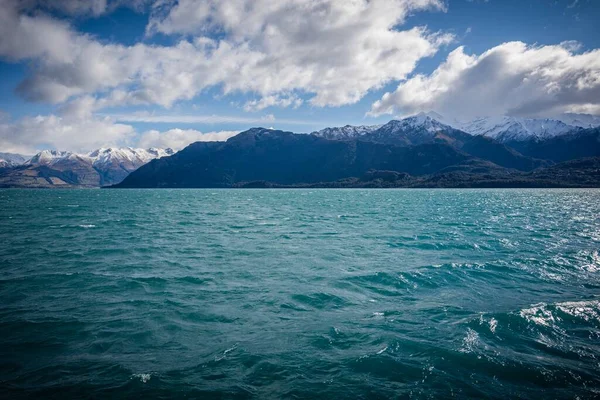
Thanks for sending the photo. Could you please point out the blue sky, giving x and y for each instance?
(386, 63)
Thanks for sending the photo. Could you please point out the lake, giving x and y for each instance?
(300, 293)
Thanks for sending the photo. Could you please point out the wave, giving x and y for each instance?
(320, 300)
(540, 334)
(144, 378)
(573, 319)
(553, 315)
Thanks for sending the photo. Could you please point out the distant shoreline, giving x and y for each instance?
(304, 188)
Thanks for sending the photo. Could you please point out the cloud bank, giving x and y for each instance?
(510, 79)
(31, 134)
(270, 49)
(177, 139)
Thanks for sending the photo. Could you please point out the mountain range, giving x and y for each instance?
(50, 168)
(425, 150)
(9, 160)
(504, 129)
(419, 151)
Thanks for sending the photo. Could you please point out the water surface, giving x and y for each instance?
(300, 293)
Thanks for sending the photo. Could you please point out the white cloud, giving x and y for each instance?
(85, 133)
(202, 119)
(272, 101)
(177, 139)
(23, 36)
(66, 63)
(30, 134)
(269, 48)
(510, 79)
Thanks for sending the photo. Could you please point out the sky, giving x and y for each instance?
(82, 74)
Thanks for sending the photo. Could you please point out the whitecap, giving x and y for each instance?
(493, 325)
(87, 226)
(594, 265)
(507, 243)
(224, 354)
(538, 314)
(586, 310)
(470, 341)
(549, 315)
(144, 378)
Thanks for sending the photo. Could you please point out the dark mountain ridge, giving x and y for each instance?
(287, 158)
(262, 157)
(582, 144)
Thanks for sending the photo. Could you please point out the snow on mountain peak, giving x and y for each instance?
(582, 120)
(418, 127)
(48, 157)
(101, 157)
(129, 155)
(506, 129)
(346, 132)
(421, 122)
(9, 160)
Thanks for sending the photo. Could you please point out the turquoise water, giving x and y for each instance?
(300, 293)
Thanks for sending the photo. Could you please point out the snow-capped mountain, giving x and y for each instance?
(9, 160)
(424, 126)
(415, 130)
(582, 120)
(513, 129)
(422, 121)
(503, 129)
(106, 157)
(50, 157)
(100, 157)
(63, 168)
(346, 132)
